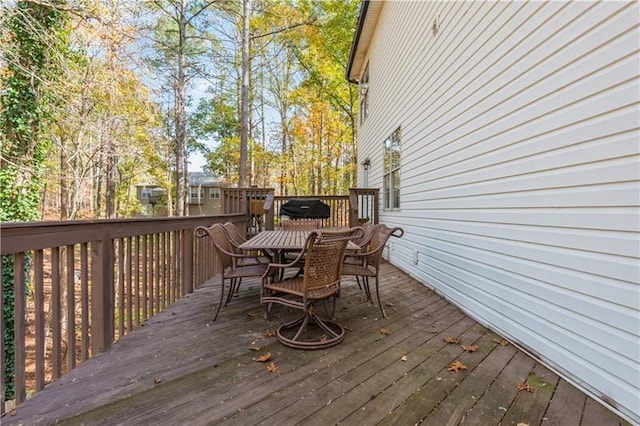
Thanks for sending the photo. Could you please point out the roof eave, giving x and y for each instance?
(369, 12)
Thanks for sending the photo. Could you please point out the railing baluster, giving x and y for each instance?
(19, 327)
(145, 276)
(38, 298)
(84, 296)
(121, 269)
(54, 306)
(152, 284)
(156, 279)
(71, 309)
(136, 299)
(129, 301)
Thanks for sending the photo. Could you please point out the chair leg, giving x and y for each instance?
(221, 298)
(334, 332)
(378, 297)
(232, 289)
(367, 289)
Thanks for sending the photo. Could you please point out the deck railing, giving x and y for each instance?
(78, 286)
(262, 206)
(81, 285)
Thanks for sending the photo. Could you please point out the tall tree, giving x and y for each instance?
(35, 37)
(178, 43)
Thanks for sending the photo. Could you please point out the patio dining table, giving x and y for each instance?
(281, 240)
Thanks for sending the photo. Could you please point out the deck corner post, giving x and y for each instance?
(187, 261)
(102, 321)
(353, 207)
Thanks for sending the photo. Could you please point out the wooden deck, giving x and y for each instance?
(181, 368)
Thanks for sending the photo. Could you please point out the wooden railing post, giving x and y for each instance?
(187, 261)
(101, 294)
(353, 207)
(269, 214)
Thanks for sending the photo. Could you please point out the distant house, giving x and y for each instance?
(504, 138)
(149, 195)
(204, 195)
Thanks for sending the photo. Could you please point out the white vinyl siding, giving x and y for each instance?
(520, 172)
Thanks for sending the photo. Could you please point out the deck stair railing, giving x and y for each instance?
(79, 286)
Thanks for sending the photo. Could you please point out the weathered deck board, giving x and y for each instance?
(182, 368)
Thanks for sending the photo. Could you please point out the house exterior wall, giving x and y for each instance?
(519, 172)
(206, 205)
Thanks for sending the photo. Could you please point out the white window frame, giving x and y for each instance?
(198, 191)
(214, 193)
(391, 171)
(146, 192)
(363, 89)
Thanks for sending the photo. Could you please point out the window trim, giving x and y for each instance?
(391, 193)
(217, 191)
(363, 90)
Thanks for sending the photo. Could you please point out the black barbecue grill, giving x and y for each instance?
(305, 209)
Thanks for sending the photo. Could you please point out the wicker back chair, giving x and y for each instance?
(235, 238)
(234, 266)
(324, 255)
(367, 263)
(301, 224)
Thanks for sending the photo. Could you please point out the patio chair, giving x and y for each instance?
(362, 242)
(324, 255)
(234, 266)
(367, 264)
(235, 239)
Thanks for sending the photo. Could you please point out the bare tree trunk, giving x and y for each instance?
(180, 118)
(110, 181)
(64, 188)
(244, 103)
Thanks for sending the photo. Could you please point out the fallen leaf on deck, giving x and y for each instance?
(263, 358)
(252, 314)
(385, 331)
(254, 348)
(269, 334)
(272, 367)
(404, 358)
(157, 380)
(469, 348)
(452, 339)
(525, 387)
(388, 304)
(523, 424)
(501, 342)
(348, 328)
(457, 366)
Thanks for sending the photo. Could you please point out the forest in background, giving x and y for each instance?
(100, 95)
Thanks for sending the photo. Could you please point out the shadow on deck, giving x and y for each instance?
(181, 368)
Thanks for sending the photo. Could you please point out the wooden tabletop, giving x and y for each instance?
(282, 239)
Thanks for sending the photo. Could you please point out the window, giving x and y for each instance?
(391, 179)
(364, 94)
(214, 193)
(197, 193)
(145, 192)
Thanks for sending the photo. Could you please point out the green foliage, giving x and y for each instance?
(34, 36)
